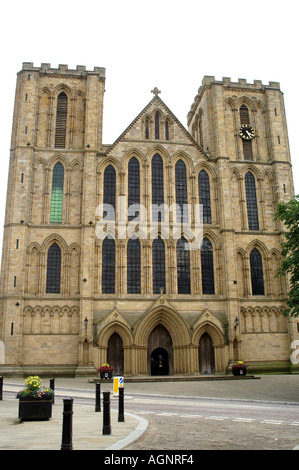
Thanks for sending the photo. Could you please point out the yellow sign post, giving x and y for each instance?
(118, 382)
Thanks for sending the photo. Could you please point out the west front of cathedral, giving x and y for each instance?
(157, 253)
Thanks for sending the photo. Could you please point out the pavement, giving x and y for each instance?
(87, 424)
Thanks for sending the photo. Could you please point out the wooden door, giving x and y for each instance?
(206, 355)
(115, 354)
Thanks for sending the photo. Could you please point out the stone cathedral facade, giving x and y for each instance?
(100, 261)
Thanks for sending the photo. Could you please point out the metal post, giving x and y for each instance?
(1, 388)
(52, 386)
(67, 425)
(106, 413)
(98, 397)
(121, 416)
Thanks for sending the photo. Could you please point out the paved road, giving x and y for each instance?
(260, 414)
(216, 424)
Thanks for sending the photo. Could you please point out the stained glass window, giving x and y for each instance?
(256, 268)
(158, 254)
(57, 193)
(61, 117)
(157, 188)
(133, 185)
(108, 266)
(251, 201)
(181, 191)
(53, 269)
(207, 267)
(183, 267)
(204, 196)
(133, 266)
(109, 190)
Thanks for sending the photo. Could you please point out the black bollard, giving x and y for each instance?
(98, 397)
(121, 416)
(1, 388)
(52, 386)
(106, 414)
(67, 425)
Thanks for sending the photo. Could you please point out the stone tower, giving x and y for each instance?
(57, 132)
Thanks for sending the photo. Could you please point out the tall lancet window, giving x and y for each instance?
(183, 266)
(109, 191)
(133, 266)
(53, 270)
(251, 201)
(157, 126)
(158, 254)
(181, 191)
(256, 268)
(57, 193)
(207, 267)
(147, 128)
(247, 144)
(108, 266)
(166, 130)
(61, 118)
(157, 189)
(133, 185)
(204, 196)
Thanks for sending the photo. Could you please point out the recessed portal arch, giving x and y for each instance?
(115, 354)
(159, 352)
(206, 355)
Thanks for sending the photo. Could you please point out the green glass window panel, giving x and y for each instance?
(57, 194)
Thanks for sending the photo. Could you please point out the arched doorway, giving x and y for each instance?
(115, 354)
(85, 352)
(159, 362)
(160, 353)
(206, 355)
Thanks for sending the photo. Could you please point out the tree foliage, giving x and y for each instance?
(288, 212)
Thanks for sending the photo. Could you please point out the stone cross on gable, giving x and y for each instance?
(155, 91)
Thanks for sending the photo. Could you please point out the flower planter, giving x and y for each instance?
(240, 371)
(106, 374)
(34, 409)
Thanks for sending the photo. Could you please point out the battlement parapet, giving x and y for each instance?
(241, 85)
(46, 68)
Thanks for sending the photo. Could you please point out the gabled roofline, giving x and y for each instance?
(157, 99)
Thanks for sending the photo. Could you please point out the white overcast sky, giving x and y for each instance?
(170, 44)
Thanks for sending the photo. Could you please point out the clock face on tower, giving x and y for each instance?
(246, 132)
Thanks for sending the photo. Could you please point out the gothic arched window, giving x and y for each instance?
(157, 188)
(158, 255)
(147, 128)
(183, 267)
(53, 269)
(133, 184)
(256, 268)
(133, 266)
(57, 193)
(181, 191)
(109, 190)
(61, 118)
(157, 126)
(251, 201)
(204, 196)
(166, 130)
(247, 144)
(207, 267)
(108, 266)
